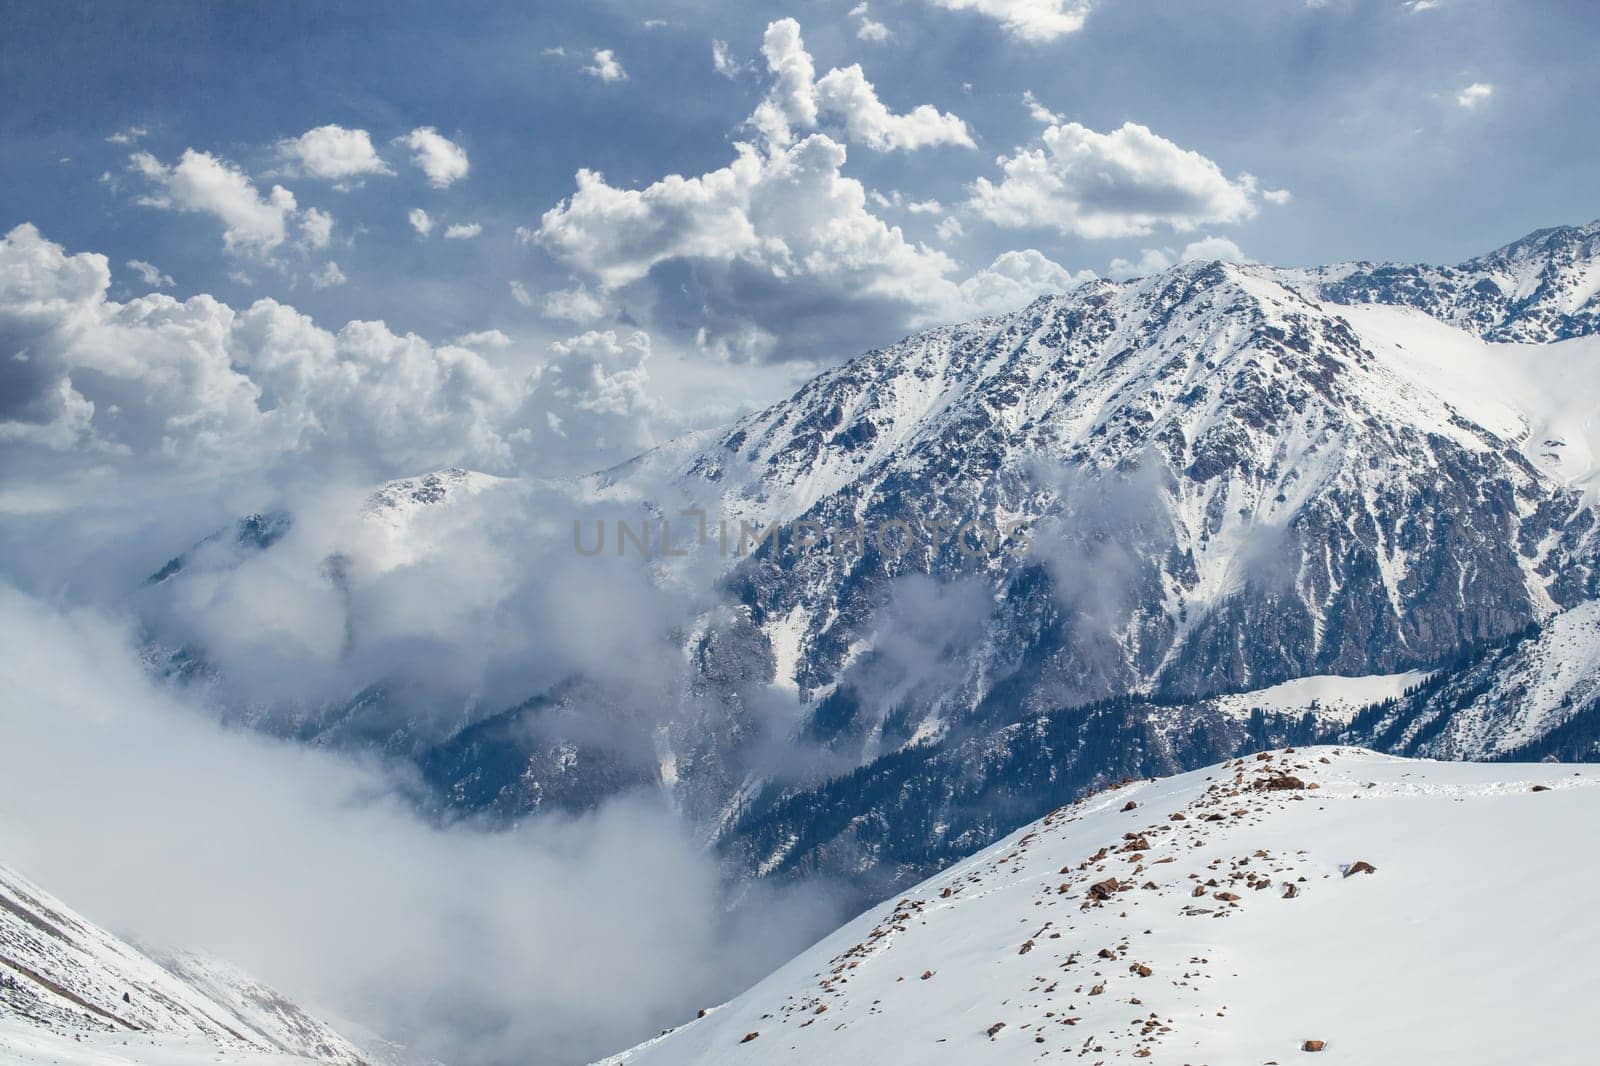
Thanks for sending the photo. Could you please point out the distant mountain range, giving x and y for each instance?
(1217, 508)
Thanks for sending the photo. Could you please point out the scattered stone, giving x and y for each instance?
(1130, 805)
(749, 1037)
(1313, 1045)
(995, 1028)
(1540, 788)
(1360, 866)
(1103, 890)
(926, 974)
(1290, 890)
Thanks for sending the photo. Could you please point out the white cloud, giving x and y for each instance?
(722, 62)
(316, 228)
(606, 67)
(1155, 260)
(200, 182)
(483, 338)
(462, 231)
(150, 274)
(1038, 112)
(442, 160)
(520, 293)
(1015, 279)
(1150, 261)
(1207, 249)
(925, 207)
(420, 221)
(797, 100)
(1028, 20)
(128, 135)
(1119, 184)
(439, 936)
(158, 381)
(329, 276)
(949, 228)
(1421, 5)
(335, 153)
(768, 234)
(576, 304)
(1277, 196)
(868, 28)
(1474, 95)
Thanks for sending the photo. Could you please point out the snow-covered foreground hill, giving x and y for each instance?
(1224, 916)
(73, 994)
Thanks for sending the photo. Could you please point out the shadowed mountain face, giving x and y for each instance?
(1018, 557)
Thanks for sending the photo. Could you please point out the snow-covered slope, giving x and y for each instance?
(1224, 916)
(72, 993)
(1533, 696)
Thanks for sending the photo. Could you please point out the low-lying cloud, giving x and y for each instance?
(553, 942)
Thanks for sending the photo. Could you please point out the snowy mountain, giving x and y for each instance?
(1121, 531)
(1294, 901)
(73, 993)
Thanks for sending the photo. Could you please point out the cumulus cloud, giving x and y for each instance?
(334, 153)
(797, 101)
(158, 381)
(1035, 21)
(1475, 95)
(440, 159)
(316, 228)
(462, 231)
(605, 66)
(202, 183)
(150, 274)
(328, 277)
(868, 28)
(1038, 112)
(1015, 278)
(160, 386)
(1155, 260)
(439, 937)
(129, 135)
(722, 61)
(520, 293)
(1124, 183)
(768, 233)
(484, 338)
(596, 385)
(1207, 249)
(420, 221)
(576, 304)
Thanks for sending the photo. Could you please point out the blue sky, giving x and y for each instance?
(1286, 132)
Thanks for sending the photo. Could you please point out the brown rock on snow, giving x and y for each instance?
(1313, 1045)
(749, 1037)
(926, 974)
(1360, 866)
(1104, 889)
(1130, 805)
(1540, 788)
(995, 1028)
(1281, 783)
